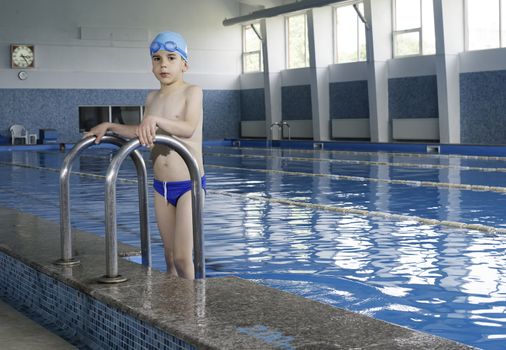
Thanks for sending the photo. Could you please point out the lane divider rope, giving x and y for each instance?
(361, 162)
(412, 183)
(326, 207)
(400, 154)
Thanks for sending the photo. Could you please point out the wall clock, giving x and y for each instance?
(22, 56)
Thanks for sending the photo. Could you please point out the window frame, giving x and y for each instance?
(287, 41)
(249, 53)
(419, 29)
(502, 38)
(359, 23)
(109, 113)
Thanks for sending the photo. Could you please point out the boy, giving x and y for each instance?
(175, 110)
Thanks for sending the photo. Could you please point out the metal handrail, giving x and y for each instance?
(65, 230)
(111, 237)
(282, 126)
(278, 124)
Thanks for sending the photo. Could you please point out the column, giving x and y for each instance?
(273, 46)
(321, 42)
(448, 22)
(378, 14)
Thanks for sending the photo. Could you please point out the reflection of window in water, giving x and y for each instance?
(130, 115)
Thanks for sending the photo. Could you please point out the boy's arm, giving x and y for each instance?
(127, 131)
(182, 128)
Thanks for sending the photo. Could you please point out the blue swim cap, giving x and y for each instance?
(170, 42)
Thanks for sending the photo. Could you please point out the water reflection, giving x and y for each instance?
(450, 282)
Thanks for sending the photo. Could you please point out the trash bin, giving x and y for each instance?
(47, 136)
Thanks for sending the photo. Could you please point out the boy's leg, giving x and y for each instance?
(183, 238)
(166, 220)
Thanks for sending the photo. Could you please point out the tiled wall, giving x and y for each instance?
(252, 104)
(483, 103)
(413, 97)
(58, 109)
(74, 315)
(296, 102)
(349, 100)
(483, 107)
(222, 114)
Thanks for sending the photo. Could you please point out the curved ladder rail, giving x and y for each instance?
(111, 236)
(65, 229)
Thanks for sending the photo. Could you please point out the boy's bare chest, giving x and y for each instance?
(172, 107)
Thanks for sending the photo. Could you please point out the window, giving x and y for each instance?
(252, 49)
(413, 28)
(350, 34)
(485, 24)
(89, 116)
(297, 43)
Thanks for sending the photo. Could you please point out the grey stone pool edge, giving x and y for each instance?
(155, 311)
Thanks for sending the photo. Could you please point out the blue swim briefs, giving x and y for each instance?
(173, 190)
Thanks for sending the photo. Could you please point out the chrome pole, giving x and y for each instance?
(278, 124)
(65, 229)
(65, 171)
(288, 125)
(111, 236)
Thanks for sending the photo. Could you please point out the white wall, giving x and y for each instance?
(104, 44)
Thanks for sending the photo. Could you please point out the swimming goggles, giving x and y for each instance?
(168, 46)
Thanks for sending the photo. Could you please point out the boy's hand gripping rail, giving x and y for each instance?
(111, 239)
(65, 229)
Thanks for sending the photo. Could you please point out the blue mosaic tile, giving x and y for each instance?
(482, 107)
(413, 97)
(222, 114)
(78, 318)
(349, 100)
(252, 104)
(296, 102)
(58, 109)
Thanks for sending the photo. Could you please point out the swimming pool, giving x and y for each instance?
(413, 239)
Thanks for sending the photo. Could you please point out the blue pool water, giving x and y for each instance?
(344, 228)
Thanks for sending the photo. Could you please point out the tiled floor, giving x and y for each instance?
(19, 332)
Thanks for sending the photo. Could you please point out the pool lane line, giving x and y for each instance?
(86, 213)
(341, 161)
(365, 213)
(411, 183)
(326, 207)
(79, 173)
(360, 162)
(399, 154)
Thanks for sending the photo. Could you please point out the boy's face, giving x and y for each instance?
(168, 67)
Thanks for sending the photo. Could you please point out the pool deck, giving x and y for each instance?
(216, 313)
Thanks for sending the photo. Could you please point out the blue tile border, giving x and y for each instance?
(75, 316)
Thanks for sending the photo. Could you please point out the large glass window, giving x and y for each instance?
(252, 49)
(485, 24)
(90, 116)
(297, 43)
(413, 28)
(350, 34)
